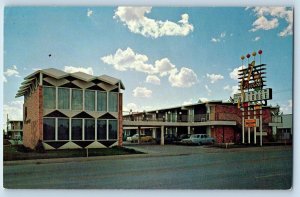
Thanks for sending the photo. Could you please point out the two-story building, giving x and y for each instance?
(14, 130)
(221, 120)
(71, 110)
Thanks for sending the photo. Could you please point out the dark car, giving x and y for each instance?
(168, 139)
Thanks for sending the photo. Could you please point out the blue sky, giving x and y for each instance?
(165, 56)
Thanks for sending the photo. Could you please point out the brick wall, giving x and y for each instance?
(33, 122)
(120, 140)
(226, 136)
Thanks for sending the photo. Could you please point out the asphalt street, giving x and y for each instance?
(163, 168)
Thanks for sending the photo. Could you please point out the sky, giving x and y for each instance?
(165, 56)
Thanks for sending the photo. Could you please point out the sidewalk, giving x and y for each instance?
(150, 151)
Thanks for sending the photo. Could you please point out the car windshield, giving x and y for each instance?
(193, 136)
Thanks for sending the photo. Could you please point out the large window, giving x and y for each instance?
(113, 129)
(101, 129)
(63, 129)
(101, 101)
(89, 129)
(89, 100)
(76, 99)
(49, 96)
(76, 129)
(113, 101)
(63, 98)
(49, 129)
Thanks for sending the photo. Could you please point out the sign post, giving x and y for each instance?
(252, 96)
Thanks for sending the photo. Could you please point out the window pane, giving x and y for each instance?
(76, 129)
(76, 99)
(49, 96)
(113, 101)
(63, 98)
(89, 100)
(49, 129)
(101, 129)
(102, 101)
(112, 129)
(63, 129)
(89, 129)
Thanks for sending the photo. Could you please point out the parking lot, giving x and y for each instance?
(164, 167)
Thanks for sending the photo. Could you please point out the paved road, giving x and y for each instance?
(194, 168)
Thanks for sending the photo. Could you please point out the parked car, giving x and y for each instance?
(198, 139)
(135, 138)
(168, 139)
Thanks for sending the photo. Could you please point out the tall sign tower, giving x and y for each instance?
(252, 96)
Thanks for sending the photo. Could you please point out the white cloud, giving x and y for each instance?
(233, 89)
(89, 13)
(265, 24)
(127, 59)
(215, 40)
(274, 13)
(153, 79)
(142, 92)
(256, 38)
(184, 78)
(71, 69)
(208, 89)
(203, 100)
(234, 73)
(220, 38)
(164, 67)
(223, 34)
(188, 102)
(4, 79)
(130, 106)
(227, 87)
(136, 21)
(214, 77)
(286, 108)
(12, 71)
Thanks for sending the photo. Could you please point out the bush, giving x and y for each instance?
(39, 147)
(23, 149)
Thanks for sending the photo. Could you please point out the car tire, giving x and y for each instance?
(200, 143)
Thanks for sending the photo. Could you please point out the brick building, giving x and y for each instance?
(221, 120)
(71, 110)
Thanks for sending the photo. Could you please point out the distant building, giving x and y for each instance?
(221, 120)
(285, 131)
(71, 110)
(14, 130)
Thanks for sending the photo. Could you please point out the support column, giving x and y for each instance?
(255, 126)
(243, 126)
(139, 132)
(260, 126)
(189, 130)
(162, 136)
(249, 136)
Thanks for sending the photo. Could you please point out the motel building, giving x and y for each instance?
(71, 110)
(220, 120)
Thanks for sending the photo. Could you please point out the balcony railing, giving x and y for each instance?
(179, 118)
